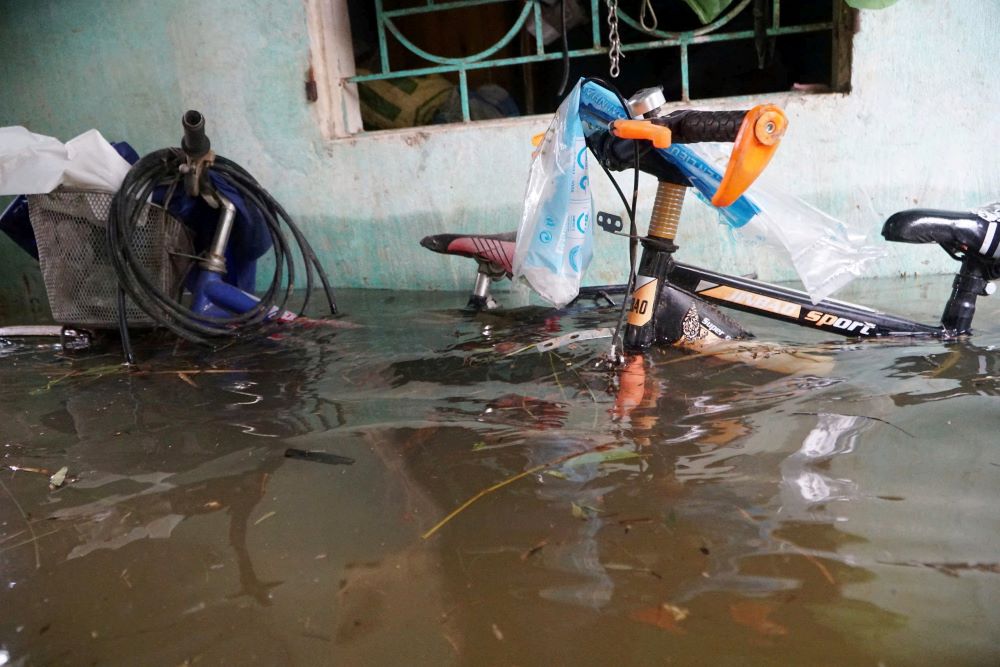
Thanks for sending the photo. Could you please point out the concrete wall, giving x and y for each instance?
(918, 129)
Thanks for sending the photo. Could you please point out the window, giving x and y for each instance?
(422, 62)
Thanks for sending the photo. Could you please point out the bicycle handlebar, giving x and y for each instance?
(691, 127)
(764, 125)
(755, 135)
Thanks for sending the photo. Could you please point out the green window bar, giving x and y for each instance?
(532, 10)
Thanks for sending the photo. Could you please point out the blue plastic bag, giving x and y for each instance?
(555, 238)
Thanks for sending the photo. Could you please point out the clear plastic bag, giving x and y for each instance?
(555, 237)
(827, 253)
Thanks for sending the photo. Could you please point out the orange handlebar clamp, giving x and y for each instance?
(758, 138)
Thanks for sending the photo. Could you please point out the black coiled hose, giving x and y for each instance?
(166, 168)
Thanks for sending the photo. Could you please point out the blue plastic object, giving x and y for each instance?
(555, 238)
(599, 106)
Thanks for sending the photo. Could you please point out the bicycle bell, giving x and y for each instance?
(647, 103)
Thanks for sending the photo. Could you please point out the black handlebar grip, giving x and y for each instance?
(195, 142)
(690, 127)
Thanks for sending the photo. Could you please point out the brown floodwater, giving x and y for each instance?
(422, 490)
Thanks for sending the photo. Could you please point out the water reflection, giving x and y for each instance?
(642, 536)
(804, 484)
(963, 369)
(688, 509)
(232, 484)
(154, 449)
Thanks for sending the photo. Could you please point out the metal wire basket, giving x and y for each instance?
(71, 232)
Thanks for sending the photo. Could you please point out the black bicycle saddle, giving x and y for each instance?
(971, 232)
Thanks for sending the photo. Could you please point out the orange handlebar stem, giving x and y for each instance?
(758, 138)
(642, 129)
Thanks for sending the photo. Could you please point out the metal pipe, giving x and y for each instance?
(481, 299)
(216, 259)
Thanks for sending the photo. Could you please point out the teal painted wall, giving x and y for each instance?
(918, 129)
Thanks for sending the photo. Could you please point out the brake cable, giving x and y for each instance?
(616, 354)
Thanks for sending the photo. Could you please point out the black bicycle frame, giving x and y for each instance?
(794, 306)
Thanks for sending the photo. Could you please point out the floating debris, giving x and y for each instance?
(665, 616)
(949, 569)
(603, 456)
(535, 549)
(59, 478)
(318, 457)
(584, 512)
(531, 471)
(264, 518)
(756, 615)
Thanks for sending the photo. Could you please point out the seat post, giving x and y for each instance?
(481, 299)
(970, 283)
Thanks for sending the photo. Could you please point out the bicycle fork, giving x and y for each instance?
(661, 312)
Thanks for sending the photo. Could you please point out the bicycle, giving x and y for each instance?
(674, 303)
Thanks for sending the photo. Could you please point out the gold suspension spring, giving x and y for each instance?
(667, 210)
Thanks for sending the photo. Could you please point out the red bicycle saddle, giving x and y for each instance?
(495, 251)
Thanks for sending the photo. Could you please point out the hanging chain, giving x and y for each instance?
(647, 8)
(614, 41)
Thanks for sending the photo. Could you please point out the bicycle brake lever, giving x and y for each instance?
(659, 135)
(758, 138)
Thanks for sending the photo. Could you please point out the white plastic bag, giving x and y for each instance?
(36, 164)
(555, 237)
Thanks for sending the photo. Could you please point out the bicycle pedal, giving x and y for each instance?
(609, 222)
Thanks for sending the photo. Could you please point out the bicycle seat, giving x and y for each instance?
(495, 251)
(970, 232)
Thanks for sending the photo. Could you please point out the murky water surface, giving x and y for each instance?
(490, 506)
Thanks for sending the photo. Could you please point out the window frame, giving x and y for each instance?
(334, 78)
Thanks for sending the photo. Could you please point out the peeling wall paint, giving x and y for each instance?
(918, 129)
